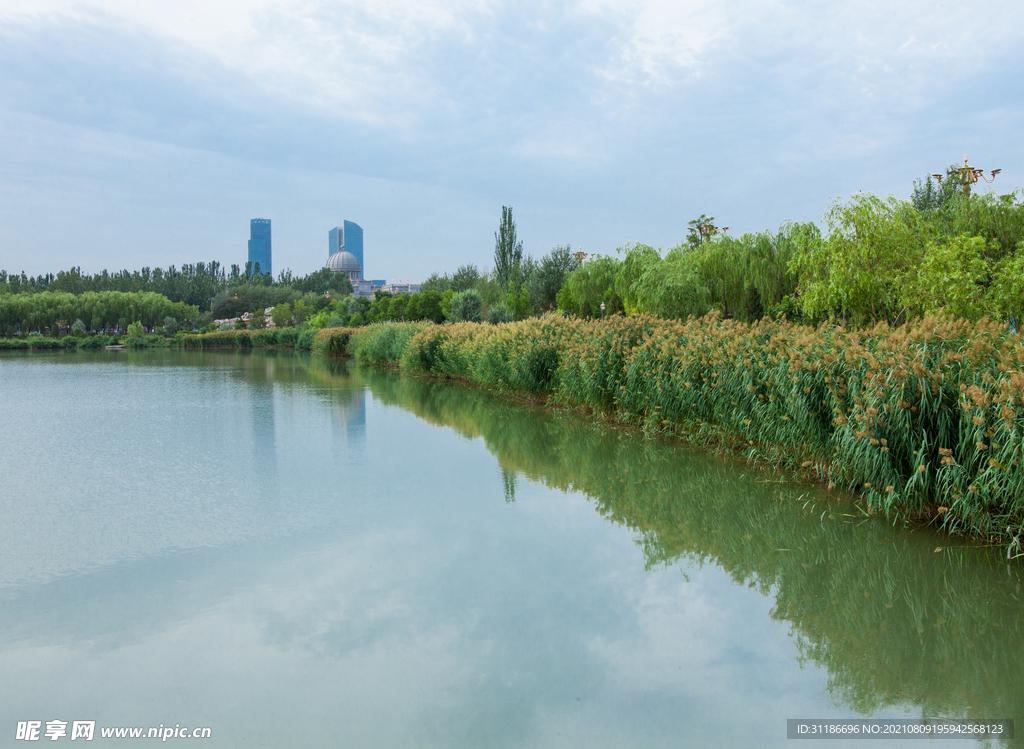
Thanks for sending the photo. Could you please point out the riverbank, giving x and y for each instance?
(923, 421)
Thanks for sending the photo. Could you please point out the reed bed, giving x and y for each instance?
(924, 420)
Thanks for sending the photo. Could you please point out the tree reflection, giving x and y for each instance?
(898, 617)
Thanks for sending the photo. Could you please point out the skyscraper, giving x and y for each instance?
(259, 244)
(348, 237)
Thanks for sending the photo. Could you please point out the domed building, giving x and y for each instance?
(345, 262)
(345, 255)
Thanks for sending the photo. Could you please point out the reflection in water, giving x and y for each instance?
(897, 617)
(430, 612)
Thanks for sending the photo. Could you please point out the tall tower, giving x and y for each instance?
(348, 237)
(259, 244)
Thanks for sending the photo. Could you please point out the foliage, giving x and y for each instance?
(548, 276)
(952, 275)
(466, 306)
(590, 285)
(871, 242)
(50, 310)
(499, 313)
(281, 315)
(508, 251)
(323, 281)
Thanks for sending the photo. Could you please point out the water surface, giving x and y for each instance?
(298, 552)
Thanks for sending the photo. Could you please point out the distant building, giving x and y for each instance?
(345, 262)
(362, 287)
(348, 238)
(402, 287)
(345, 255)
(259, 244)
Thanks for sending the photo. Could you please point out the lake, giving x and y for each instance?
(297, 552)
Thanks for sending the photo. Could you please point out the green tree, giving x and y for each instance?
(466, 306)
(871, 242)
(590, 285)
(465, 277)
(430, 306)
(673, 288)
(135, 330)
(499, 313)
(951, 275)
(281, 315)
(508, 250)
(548, 276)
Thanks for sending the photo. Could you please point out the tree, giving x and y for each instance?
(465, 277)
(508, 251)
(590, 285)
(871, 242)
(466, 306)
(281, 315)
(701, 230)
(429, 306)
(952, 275)
(135, 330)
(499, 313)
(547, 277)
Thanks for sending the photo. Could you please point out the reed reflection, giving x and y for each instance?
(899, 618)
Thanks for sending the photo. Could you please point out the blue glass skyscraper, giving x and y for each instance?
(348, 237)
(259, 244)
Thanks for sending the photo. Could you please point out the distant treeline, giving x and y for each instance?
(200, 284)
(58, 311)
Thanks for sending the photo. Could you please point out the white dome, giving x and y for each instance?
(343, 262)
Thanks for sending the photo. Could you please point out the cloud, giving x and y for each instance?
(607, 121)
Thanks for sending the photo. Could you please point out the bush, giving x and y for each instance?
(466, 306)
(305, 340)
(287, 336)
(264, 337)
(331, 341)
(499, 313)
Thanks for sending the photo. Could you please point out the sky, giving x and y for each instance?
(137, 133)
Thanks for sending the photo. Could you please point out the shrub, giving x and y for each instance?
(331, 341)
(466, 306)
(499, 313)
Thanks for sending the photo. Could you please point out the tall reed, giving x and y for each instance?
(925, 420)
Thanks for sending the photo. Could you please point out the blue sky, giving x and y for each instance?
(140, 133)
